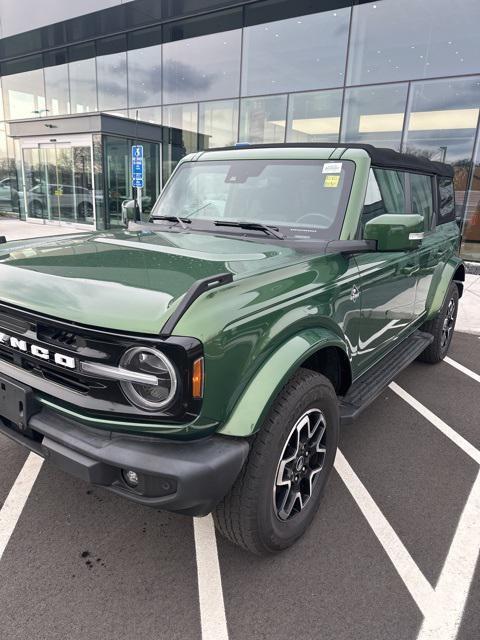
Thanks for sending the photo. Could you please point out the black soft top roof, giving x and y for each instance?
(381, 157)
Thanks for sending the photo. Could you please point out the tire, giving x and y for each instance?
(441, 327)
(250, 515)
(84, 210)
(36, 209)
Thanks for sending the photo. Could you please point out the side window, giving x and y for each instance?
(446, 212)
(422, 196)
(385, 194)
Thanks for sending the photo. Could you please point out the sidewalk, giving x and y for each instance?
(468, 319)
(14, 229)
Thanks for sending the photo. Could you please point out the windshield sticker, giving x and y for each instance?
(332, 167)
(331, 181)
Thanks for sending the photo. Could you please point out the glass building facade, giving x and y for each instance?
(404, 75)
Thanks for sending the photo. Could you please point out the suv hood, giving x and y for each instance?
(125, 280)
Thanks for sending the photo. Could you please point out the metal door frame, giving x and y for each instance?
(85, 140)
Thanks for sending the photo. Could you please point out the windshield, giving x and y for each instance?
(302, 198)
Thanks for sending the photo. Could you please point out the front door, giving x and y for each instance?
(387, 280)
(58, 181)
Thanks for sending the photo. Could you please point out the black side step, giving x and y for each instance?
(364, 390)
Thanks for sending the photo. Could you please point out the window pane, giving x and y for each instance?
(2, 117)
(56, 89)
(202, 68)
(385, 194)
(375, 115)
(185, 118)
(112, 81)
(83, 86)
(147, 114)
(442, 123)
(301, 53)
(446, 200)
(393, 40)
(422, 202)
(263, 119)
(218, 124)
(296, 195)
(145, 76)
(24, 94)
(9, 197)
(314, 117)
(471, 228)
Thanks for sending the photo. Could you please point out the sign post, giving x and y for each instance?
(137, 173)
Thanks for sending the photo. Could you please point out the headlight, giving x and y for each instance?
(151, 362)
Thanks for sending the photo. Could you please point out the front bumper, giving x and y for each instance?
(186, 477)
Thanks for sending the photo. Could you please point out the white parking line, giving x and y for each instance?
(212, 608)
(451, 593)
(419, 587)
(16, 499)
(437, 422)
(460, 367)
(443, 620)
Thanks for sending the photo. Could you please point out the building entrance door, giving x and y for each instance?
(58, 185)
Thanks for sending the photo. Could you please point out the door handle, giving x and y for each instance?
(410, 269)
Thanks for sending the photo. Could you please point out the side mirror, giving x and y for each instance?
(395, 231)
(128, 211)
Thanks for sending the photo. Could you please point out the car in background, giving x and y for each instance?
(73, 201)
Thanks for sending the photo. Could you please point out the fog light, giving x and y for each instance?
(131, 478)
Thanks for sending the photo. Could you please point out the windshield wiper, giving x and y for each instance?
(255, 226)
(172, 219)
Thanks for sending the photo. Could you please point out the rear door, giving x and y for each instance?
(437, 205)
(387, 280)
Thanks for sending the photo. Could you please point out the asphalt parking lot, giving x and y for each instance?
(391, 554)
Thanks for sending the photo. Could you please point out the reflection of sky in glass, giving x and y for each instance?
(56, 89)
(443, 117)
(263, 119)
(375, 115)
(202, 68)
(301, 53)
(24, 94)
(393, 40)
(145, 76)
(219, 123)
(112, 81)
(83, 86)
(314, 116)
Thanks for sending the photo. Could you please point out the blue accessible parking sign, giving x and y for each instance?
(137, 166)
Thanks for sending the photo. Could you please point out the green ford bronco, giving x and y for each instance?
(203, 360)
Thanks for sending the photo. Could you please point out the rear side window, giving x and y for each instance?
(422, 196)
(446, 199)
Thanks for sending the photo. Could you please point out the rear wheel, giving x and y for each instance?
(278, 492)
(441, 327)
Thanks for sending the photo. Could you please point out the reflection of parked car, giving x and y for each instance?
(69, 198)
(8, 194)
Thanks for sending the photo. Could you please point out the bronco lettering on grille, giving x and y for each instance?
(36, 350)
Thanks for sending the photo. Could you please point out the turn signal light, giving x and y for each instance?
(197, 378)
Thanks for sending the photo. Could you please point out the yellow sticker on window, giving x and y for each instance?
(331, 181)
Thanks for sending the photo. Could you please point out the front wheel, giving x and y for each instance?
(441, 327)
(278, 492)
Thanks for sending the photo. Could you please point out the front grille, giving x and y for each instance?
(72, 388)
(58, 377)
